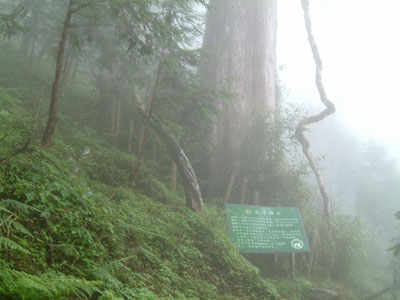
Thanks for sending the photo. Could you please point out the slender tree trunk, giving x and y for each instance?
(31, 59)
(314, 243)
(243, 190)
(53, 112)
(65, 73)
(110, 109)
(30, 70)
(330, 109)
(276, 263)
(130, 137)
(117, 124)
(142, 143)
(141, 139)
(256, 197)
(293, 265)
(231, 181)
(173, 176)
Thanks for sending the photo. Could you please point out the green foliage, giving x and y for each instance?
(61, 239)
(69, 227)
(20, 285)
(349, 253)
(10, 16)
(295, 290)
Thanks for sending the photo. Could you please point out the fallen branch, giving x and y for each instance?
(330, 109)
(194, 198)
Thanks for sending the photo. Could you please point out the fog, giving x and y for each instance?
(359, 45)
(169, 149)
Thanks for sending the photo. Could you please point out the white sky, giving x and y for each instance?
(359, 42)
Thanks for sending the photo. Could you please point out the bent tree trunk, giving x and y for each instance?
(194, 199)
(53, 112)
(330, 109)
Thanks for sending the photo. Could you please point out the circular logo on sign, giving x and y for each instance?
(297, 244)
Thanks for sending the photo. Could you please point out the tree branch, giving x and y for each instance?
(86, 5)
(330, 109)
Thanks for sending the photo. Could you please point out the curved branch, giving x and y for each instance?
(330, 109)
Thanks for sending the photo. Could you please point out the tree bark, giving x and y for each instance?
(53, 112)
(194, 199)
(240, 59)
(65, 73)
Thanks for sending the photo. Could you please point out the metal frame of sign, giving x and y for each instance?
(259, 229)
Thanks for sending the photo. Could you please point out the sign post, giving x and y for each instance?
(257, 229)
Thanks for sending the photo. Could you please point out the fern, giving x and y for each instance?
(18, 206)
(6, 243)
(20, 285)
(18, 227)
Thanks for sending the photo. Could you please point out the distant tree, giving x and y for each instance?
(73, 7)
(396, 247)
(378, 190)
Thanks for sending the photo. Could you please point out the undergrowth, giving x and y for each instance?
(70, 230)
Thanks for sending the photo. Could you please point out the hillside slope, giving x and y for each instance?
(71, 230)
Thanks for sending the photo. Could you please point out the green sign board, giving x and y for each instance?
(260, 229)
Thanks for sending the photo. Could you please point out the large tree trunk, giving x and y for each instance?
(240, 58)
(53, 112)
(194, 198)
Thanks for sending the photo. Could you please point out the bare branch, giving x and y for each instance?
(330, 109)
